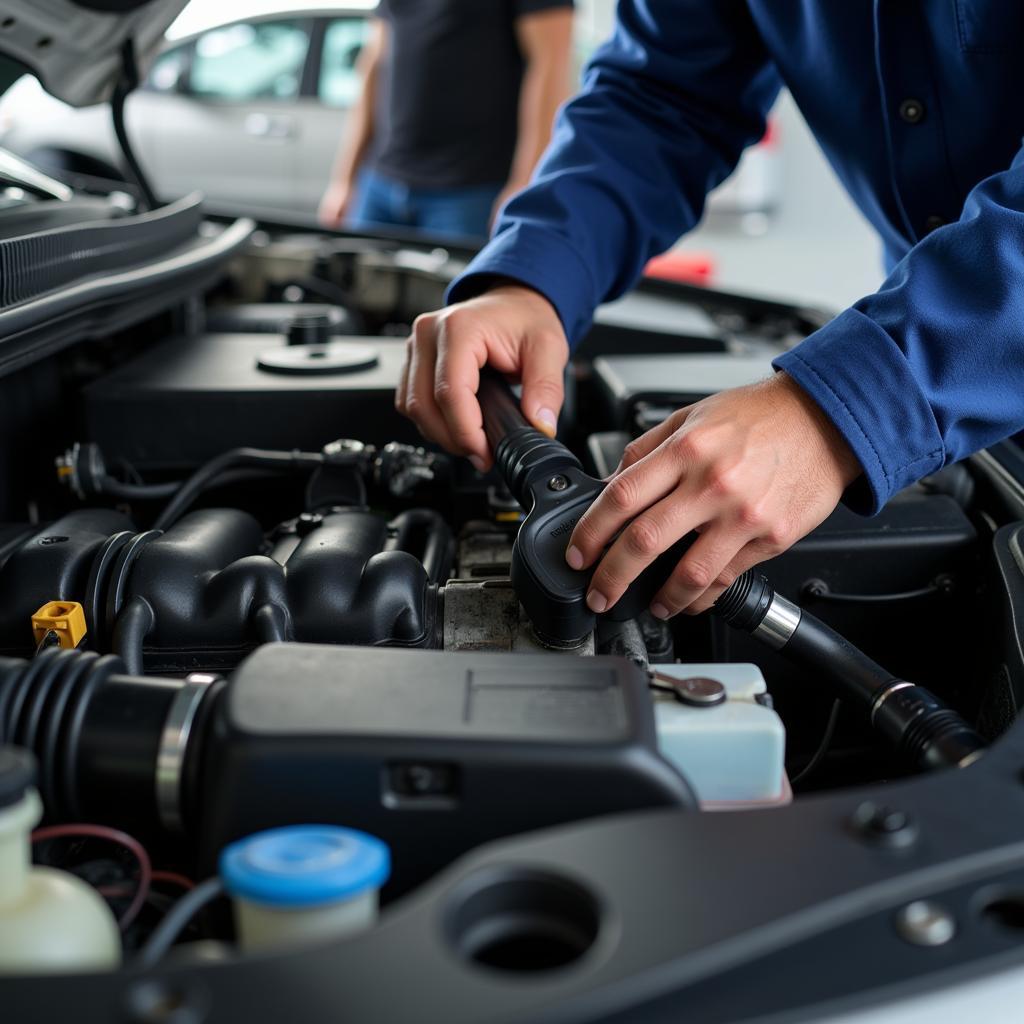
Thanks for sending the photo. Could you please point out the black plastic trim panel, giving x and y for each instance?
(34, 264)
(684, 899)
(111, 301)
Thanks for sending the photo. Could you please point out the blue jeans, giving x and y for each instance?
(463, 213)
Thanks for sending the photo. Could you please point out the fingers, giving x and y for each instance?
(419, 404)
(512, 327)
(642, 446)
(751, 554)
(754, 468)
(403, 379)
(754, 552)
(628, 494)
(455, 383)
(543, 366)
(699, 569)
(639, 544)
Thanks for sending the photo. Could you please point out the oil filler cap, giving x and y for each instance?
(313, 360)
(304, 865)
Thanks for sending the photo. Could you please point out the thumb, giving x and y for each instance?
(541, 374)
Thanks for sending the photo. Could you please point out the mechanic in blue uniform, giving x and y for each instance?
(919, 107)
(456, 107)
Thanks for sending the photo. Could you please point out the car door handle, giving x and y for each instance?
(269, 126)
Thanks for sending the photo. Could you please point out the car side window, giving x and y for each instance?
(168, 70)
(250, 61)
(344, 39)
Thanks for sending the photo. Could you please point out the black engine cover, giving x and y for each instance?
(203, 594)
(435, 752)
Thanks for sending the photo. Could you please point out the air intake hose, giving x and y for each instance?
(921, 727)
(111, 747)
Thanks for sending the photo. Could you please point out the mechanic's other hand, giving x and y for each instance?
(752, 470)
(335, 204)
(512, 328)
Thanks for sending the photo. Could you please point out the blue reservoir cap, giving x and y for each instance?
(304, 865)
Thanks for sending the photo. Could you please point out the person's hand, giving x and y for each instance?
(334, 205)
(512, 328)
(752, 470)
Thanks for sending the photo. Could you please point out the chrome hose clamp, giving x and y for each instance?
(779, 623)
(170, 757)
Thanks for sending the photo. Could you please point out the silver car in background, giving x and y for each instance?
(247, 103)
(248, 112)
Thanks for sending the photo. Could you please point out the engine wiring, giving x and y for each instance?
(819, 590)
(176, 916)
(176, 920)
(119, 838)
(824, 746)
(174, 878)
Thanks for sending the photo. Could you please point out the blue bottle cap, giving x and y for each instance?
(304, 865)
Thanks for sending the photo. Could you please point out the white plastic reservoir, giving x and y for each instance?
(302, 884)
(50, 920)
(732, 752)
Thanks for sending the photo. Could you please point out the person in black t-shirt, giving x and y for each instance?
(456, 108)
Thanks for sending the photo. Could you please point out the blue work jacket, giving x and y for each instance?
(919, 107)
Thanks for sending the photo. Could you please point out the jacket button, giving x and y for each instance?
(933, 223)
(912, 111)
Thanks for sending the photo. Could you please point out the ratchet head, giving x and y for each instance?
(549, 482)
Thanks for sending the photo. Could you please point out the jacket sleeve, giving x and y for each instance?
(930, 368)
(668, 105)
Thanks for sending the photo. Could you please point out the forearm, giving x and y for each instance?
(544, 89)
(667, 108)
(354, 145)
(358, 135)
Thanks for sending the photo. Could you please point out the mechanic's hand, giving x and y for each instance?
(752, 470)
(512, 328)
(335, 204)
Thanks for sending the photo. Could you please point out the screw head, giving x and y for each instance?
(884, 826)
(925, 923)
(558, 483)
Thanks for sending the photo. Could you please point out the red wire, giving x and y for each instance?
(174, 878)
(112, 835)
(114, 892)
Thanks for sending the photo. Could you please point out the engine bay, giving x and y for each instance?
(237, 593)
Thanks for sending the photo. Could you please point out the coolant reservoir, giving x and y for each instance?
(722, 734)
(303, 883)
(49, 919)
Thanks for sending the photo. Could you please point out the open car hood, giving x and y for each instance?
(74, 46)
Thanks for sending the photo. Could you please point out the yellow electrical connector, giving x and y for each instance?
(64, 619)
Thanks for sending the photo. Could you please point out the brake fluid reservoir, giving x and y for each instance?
(50, 920)
(303, 883)
(722, 734)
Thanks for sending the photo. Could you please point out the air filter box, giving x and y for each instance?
(434, 752)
